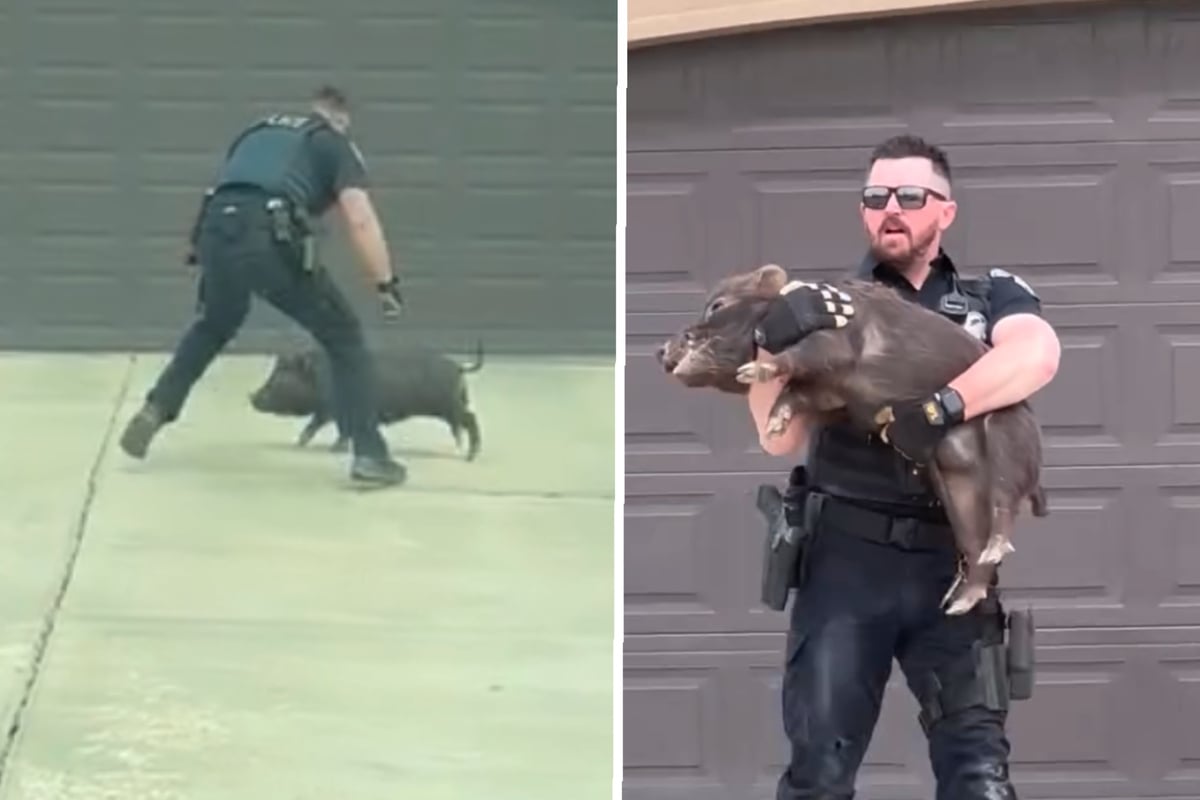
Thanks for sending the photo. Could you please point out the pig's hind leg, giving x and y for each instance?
(962, 480)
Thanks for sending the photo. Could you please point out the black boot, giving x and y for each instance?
(378, 471)
(135, 441)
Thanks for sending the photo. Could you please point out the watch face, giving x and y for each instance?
(951, 402)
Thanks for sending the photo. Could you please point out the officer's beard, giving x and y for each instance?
(918, 253)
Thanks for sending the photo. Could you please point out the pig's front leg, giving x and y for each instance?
(315, 423)
(815, 355)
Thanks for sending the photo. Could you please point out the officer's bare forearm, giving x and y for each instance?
(366, 234)
(372, 250)
(761, 399)
(1024, 360)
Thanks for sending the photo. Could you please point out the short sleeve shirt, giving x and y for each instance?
(1010, 294)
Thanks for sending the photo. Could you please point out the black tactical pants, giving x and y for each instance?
(862, 605)
(239, 258)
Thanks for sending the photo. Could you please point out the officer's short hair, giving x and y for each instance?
(332, 98)
(908, 145)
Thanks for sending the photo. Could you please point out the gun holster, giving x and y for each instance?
(289, 226)
(1020, 652)
(790, 522)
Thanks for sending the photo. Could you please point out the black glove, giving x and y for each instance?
(390, 298)
(916, 428)
(801, 309)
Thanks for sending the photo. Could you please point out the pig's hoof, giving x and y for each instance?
(756, 372)
(996, 550)
(958, 581)
(970, 597)
(779, 421)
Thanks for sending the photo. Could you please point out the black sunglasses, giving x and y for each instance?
(910, 198)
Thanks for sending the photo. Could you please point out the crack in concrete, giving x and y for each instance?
(42, 643)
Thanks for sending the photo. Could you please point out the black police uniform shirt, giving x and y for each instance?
(1009, 294)
(339, 165)
(328, 161)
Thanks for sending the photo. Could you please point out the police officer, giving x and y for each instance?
(252, 237)
(879, 555)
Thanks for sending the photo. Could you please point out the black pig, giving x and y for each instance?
(410, 382)
(985, 471)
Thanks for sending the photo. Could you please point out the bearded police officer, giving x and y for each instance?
(253, 237)
(878, 554)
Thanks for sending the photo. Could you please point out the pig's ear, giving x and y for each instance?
(770, 278)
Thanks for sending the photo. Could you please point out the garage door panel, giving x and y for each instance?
(1105, 721)
(1097, 223)
(694, 429)
(1062, 65)
(677, 238)
(728, 704)
(1172, 239)
(1100, 409)
(1110, 554)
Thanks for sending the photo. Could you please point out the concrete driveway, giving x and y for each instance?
(227, 620)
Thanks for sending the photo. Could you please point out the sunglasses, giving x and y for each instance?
(909, 198)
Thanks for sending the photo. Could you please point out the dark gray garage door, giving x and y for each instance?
(1075, 133)
(488, 125)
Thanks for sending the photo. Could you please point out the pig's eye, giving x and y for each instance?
(713, 308)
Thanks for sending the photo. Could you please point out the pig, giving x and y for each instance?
(410, 382)
(986, 471)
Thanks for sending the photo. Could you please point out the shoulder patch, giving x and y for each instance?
(996, 272)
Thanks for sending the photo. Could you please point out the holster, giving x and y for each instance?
(1001, 669)
(1020, 651)
(290, 226)
(790, 527)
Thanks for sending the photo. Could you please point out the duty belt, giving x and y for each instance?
(906, 532)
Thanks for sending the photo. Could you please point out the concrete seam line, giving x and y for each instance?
(75, 544)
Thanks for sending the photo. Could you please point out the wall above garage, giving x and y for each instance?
(654, 22)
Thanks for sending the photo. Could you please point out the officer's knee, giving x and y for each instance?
(823, 765)
(820, 772)
(220, 321)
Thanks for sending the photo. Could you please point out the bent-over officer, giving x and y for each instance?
(253, 237)
(878, 553)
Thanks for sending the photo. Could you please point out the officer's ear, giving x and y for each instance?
(947, 214)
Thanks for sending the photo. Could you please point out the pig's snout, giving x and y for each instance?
(668, 356)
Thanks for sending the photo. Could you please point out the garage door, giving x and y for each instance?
(1075, 136)
(487, 124)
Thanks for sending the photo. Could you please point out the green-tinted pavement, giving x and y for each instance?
(239, 624)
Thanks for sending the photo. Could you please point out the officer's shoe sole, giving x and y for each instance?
(135, 440)
(377, 472)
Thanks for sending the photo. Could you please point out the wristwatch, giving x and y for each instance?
(952, 407)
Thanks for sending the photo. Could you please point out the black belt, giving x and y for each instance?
(906, 532)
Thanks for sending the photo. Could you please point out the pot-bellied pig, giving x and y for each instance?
(409, 382)
(985, 471)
